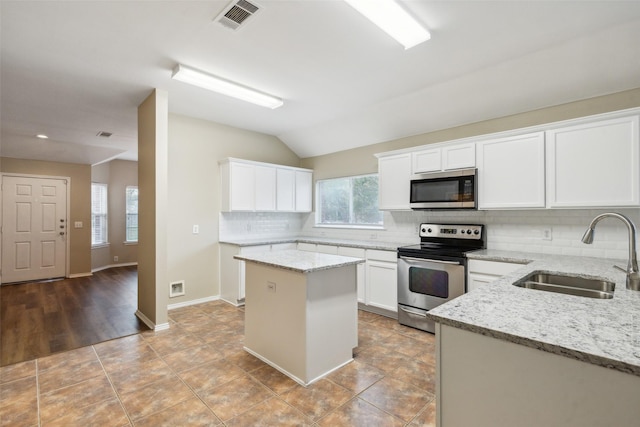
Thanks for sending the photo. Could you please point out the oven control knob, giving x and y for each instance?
(429, 230)
(476, 232)
(468, 231)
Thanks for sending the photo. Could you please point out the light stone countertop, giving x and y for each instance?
(601, 332)
(363, 244)
(299, 261)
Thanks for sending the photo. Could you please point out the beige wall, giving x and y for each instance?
(117, 174)
(361, 160)
(80, 204)
(195, 147)
(153, 283)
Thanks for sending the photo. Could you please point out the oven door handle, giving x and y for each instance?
(412, 312)
(429, 260)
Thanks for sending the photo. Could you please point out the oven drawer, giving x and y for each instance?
(416, 318)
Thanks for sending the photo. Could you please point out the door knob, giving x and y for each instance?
(62, 233)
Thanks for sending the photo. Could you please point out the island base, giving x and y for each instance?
(303, 324)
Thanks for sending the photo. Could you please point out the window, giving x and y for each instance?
(132, 213)
(348, 201)
(99, 214)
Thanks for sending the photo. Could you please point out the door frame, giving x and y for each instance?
(67, 208)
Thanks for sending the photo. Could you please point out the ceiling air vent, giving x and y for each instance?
(104, 134)
(236, 13)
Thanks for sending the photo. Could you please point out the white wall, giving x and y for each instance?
(195, 147)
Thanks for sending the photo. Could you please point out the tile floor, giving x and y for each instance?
(197, 374)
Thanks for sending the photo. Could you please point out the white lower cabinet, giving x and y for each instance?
(232, 271)
(480, 272)
(360, 270)
(382, 280)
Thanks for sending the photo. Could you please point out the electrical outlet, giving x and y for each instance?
(196, 229)
(546, 234)
(373, 236)
(115, 258)
(77, 224)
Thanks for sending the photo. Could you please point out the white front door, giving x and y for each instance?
(34, 228)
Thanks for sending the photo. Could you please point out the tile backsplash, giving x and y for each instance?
(555, 231)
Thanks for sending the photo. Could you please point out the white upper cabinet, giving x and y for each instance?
(511, 172)
(447, 157)
(594, 164)
(238, 187)
(427, 160)
(265, 193)
(286, 189)
(264, 187)
(394, 174)
(459, 156)
(304, 190)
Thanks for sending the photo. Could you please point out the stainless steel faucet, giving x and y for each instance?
(633, 276)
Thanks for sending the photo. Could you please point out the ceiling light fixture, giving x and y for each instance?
(42, 136)
(224, 86)
(393, 20)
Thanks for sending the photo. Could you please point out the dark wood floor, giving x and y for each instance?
(42, 318)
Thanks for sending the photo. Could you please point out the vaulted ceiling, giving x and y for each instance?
(70, 69)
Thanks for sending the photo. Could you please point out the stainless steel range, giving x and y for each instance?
(435, 271)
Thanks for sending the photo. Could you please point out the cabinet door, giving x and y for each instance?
(459, 156)
(394, 174)
(382, 288)
(265, 186)
(360, 270)
(304, 190)
(242, 190)
(594, 164)
(286, 190)
(427, 160)
(511, 172)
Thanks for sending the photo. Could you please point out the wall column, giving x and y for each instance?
(153, 283)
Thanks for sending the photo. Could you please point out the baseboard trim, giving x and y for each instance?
(192, 302)
(140, 315)
(104, 267)
(76, 275)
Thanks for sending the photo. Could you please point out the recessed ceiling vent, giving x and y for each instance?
(104, 134)
(236, 13)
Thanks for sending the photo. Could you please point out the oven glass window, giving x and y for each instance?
(429, 282)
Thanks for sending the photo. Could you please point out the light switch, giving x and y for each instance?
(77, 224)
(196, 229)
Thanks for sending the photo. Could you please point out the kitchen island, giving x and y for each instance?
(513, 356)
(301, 312)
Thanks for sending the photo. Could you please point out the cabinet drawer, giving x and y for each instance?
(327, 249)
(389, 256)
(494, 268)
(353, 252)
(310, 247)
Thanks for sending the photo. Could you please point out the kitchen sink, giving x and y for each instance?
(570, 285)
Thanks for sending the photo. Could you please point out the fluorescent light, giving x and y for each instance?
(393, 20)
(42, 136)
(224, 86)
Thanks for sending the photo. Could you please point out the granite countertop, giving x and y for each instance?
(363, 244)
(299, 261)
(601, 332)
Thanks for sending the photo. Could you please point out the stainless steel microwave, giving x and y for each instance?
(456, 189)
